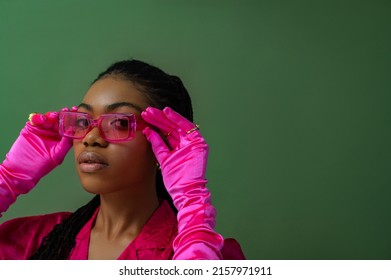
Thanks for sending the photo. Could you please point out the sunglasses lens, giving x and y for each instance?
(74, 125)
(113, 127)
(118, 127)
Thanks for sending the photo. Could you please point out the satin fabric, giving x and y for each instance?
(38, 150)
(183, 167)
(21, 237)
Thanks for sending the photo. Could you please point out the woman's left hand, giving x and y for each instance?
(183, 162)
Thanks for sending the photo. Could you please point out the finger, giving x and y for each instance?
(159, 147)
(61, 149)
(157, 118)
(66, 109)
(178, 119)
(51, 117)
(37, 119)
(51, 120)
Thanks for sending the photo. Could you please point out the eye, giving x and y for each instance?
(81, 123)
(120, 123)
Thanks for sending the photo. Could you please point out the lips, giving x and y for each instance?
(90, 162)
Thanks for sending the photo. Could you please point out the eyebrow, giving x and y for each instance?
(113, 106)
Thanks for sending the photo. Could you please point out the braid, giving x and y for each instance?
(184, 99)
(58, 244)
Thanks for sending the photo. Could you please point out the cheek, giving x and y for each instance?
(131, 164)
(77, 149)
(135, 159)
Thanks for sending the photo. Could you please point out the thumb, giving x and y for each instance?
(61, 149)
(159, 147)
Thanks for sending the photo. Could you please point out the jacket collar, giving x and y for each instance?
(156, 235)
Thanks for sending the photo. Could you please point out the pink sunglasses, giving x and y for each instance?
(113, 127)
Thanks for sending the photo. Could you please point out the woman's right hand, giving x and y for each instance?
(38, 150)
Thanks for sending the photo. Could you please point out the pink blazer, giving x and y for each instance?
(21, 237)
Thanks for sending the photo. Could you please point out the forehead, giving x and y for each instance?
(108, 91)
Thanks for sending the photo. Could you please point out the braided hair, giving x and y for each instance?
(161, 90)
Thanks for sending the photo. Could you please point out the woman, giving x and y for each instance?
(136, 148)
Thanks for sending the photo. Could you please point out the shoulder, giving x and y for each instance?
(33, 221)
(20, 237)
(232, 250)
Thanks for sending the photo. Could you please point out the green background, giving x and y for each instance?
(293, 98)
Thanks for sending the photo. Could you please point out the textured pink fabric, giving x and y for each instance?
(183, 167)
(20, 238)
(154, 242)
(38, 149)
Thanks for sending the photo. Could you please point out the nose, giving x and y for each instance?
(94, 138)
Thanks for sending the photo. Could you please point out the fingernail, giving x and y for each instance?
(37, 119)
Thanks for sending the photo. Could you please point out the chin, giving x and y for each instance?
(98, 185)
(94, 189)
(94, 184)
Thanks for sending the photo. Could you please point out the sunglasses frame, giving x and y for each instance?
(133, 125)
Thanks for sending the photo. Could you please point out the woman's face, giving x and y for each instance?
(106, 167)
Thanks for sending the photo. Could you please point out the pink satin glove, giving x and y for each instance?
(38, 149)
(183, 168)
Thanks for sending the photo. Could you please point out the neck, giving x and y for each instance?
(121, 214)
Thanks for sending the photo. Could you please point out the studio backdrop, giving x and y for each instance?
(293, 98)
